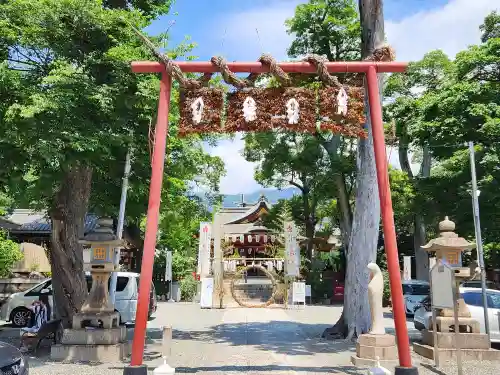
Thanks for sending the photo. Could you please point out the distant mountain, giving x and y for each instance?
(272, 195)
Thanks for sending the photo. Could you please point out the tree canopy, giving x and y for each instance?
(442, 104)
(70, 108)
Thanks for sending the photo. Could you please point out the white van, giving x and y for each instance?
(16, 308)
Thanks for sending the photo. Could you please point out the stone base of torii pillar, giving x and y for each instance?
(376, 347)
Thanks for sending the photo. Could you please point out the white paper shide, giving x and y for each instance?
(342, 102)
(292, 111)
(197, 109)
(249, 109)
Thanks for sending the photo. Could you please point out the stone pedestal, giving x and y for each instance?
(370, 347)
(473, 344)
(92, 345)
(108, 320)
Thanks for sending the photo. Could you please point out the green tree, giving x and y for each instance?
(330, 28)
(408, 90)
(10, 254)
(70, 109)
(440, 105)
(325, 27)
(333, 29)
(292, 159)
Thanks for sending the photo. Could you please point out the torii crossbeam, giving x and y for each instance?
(370, 69)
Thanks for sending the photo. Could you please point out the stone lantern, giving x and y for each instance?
(96, 335)
(442, 343)
(100, 252)
(449, 248)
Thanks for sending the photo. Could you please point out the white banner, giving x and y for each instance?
(299, 292)
(204, 249)
(291, 247)
(168, 266)
(407, 268)
(207, 289)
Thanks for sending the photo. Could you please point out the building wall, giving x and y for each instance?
(35, 259)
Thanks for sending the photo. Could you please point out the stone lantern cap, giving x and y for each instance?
(448, 239)
(102, 234)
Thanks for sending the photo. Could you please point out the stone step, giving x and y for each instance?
(90, 353)
(447, 340)
(446, 354)
(94, 336)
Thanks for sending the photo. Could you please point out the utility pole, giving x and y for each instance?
(121, 219)
(479, 241)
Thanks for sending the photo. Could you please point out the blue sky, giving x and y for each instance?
(228, 28)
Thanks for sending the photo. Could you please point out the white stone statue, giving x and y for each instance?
(375, 293)
(197, 109)
(342, 102)
(249, 109)
(292, 111)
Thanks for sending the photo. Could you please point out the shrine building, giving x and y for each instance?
(243, 231)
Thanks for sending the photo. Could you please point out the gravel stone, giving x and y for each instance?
(251, 341)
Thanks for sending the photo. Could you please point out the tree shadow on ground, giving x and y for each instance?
(389, 315)
(283, 337)
(347, 370)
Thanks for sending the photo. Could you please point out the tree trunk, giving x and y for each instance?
(419, 232)
(420, 235)
(331, 148)
(68, 216)
(355, 318)
(309, 222)
(345, 208)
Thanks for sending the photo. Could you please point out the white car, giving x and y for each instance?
(414, 292)
(15, 309)
(474, 300)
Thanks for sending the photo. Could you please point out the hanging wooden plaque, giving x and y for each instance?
(201, 111)
(343, 111)
(247, 111)
(274, 108)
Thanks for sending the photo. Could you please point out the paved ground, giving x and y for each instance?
(249, 341)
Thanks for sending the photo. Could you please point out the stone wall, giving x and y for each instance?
(16, 285)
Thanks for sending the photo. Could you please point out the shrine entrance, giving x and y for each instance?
(253, 260)
(335, 107)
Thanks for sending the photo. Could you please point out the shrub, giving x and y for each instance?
(386, 296)
(10, 254)
(189, 288)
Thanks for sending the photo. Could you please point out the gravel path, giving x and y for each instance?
(251, 341)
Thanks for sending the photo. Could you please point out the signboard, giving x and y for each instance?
(168, 266)
(207, 290)
(204, 249)
(432, 262)
(291, 248)
(442, 281)
(407, 268)
(308, 291)
(299, 292)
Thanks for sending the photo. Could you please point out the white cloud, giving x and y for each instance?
(450, 28)
(239, 172)
(246, 35)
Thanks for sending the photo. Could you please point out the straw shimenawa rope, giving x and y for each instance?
(274, 68)
(321, 69)
(170, 66)
(229, 77)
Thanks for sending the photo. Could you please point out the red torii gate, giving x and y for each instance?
(370, 69)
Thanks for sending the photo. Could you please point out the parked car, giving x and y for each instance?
(414, 291)
(477, 284)
(474, 300)
(12, 362)
(16, 311)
